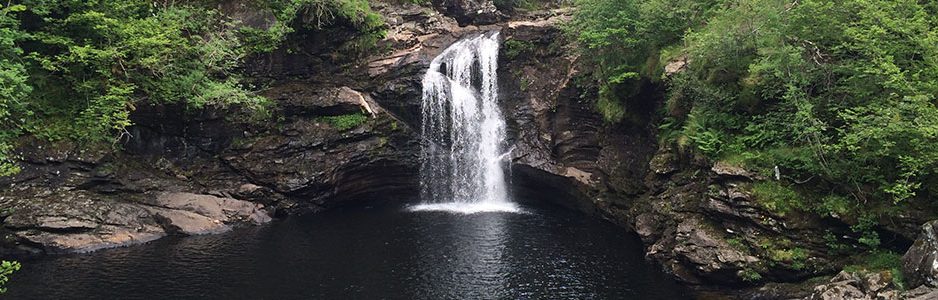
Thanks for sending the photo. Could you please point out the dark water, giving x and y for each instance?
(368, 253)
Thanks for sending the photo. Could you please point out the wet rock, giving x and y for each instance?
(850, 285)
(711, 256)
(81, 221)
(647, 226)
(922, 292)
(728, 170)
(664, 162)
(298, 98)
(475, 12)
(920, 262)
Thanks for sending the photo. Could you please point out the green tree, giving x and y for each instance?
(75, 70)
(840, 91)
(622, 40)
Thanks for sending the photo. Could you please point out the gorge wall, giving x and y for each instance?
(343, 132)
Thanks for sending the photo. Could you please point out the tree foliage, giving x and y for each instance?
(6, 269)
(75, 70)
(839, 92)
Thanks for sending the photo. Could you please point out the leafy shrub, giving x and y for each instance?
(750, 275)
(6, 269)
(345, 122)
(75, 70)
(515, 48)
(840, 95)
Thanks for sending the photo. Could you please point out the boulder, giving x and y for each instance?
(920, 263)
(857, 286)
(708, 253)
(224, 210)
(922, 292)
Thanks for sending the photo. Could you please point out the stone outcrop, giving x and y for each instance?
(66, 200)
(921, 293)
(857, 286)
(920, 263)
(703, 223)
(478, 12)
(81, 221)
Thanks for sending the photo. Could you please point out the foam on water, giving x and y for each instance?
(468, 208)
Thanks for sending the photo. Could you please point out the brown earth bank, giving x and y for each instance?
(342, 132)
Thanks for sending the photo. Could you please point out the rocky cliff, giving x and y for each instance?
(342, 132)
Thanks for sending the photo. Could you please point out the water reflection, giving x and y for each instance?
(466, 257)
(380, 253)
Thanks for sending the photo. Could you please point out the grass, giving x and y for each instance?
(777, 198)
(344, 122)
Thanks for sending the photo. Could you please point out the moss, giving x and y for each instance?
(344, 122)
(795, 257)
(783, 251)
(525, 84)
(515, 48)
(777, 198)
(737, 243)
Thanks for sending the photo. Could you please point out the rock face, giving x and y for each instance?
(846, 285)
(478, 12)
(342, 133)
(81, 221)
(704, 223)
(920, 263)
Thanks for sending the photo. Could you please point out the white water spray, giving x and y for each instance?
(462, 163)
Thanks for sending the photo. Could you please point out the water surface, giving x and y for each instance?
(383, 252)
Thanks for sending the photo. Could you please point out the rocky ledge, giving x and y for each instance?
(82, 221)
(198, 172)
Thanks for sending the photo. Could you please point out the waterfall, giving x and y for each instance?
(462, 163)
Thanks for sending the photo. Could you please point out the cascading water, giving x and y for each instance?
(462, 164)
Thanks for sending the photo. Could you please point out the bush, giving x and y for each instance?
(750, 275)
(345, 122)
(6, 269)
(515, 48)
(75, 70)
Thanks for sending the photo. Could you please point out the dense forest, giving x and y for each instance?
(835, 99)
(74, 70)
